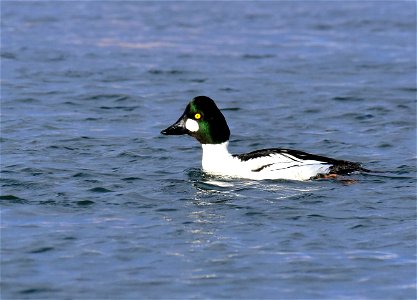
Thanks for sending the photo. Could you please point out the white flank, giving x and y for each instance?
(217, 160)
(191, 125)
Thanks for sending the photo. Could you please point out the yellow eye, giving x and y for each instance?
(197, 116)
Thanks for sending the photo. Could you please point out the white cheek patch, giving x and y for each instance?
(191, 125)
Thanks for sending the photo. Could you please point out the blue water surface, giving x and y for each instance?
(96, 204)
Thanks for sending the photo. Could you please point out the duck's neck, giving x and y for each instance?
(215, 156)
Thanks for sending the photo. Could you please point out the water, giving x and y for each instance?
(95, 203)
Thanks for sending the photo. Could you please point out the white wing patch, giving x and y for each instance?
(285, 166)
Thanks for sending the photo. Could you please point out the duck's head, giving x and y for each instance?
(202, 120)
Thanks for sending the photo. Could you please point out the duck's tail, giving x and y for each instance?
(343, 167)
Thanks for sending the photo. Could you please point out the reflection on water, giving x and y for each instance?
(207, 185)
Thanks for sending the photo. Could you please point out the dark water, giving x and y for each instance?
(97, 204)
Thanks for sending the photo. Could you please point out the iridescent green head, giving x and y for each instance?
(202, 120)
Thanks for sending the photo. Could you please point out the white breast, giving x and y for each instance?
(217, 159)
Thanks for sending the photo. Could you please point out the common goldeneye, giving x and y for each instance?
(204, 121)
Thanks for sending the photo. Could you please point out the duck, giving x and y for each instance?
(204, 121)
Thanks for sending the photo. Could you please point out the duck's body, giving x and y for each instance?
(204, 121)
(270, 164)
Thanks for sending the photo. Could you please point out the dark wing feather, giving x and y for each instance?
(338, 166)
